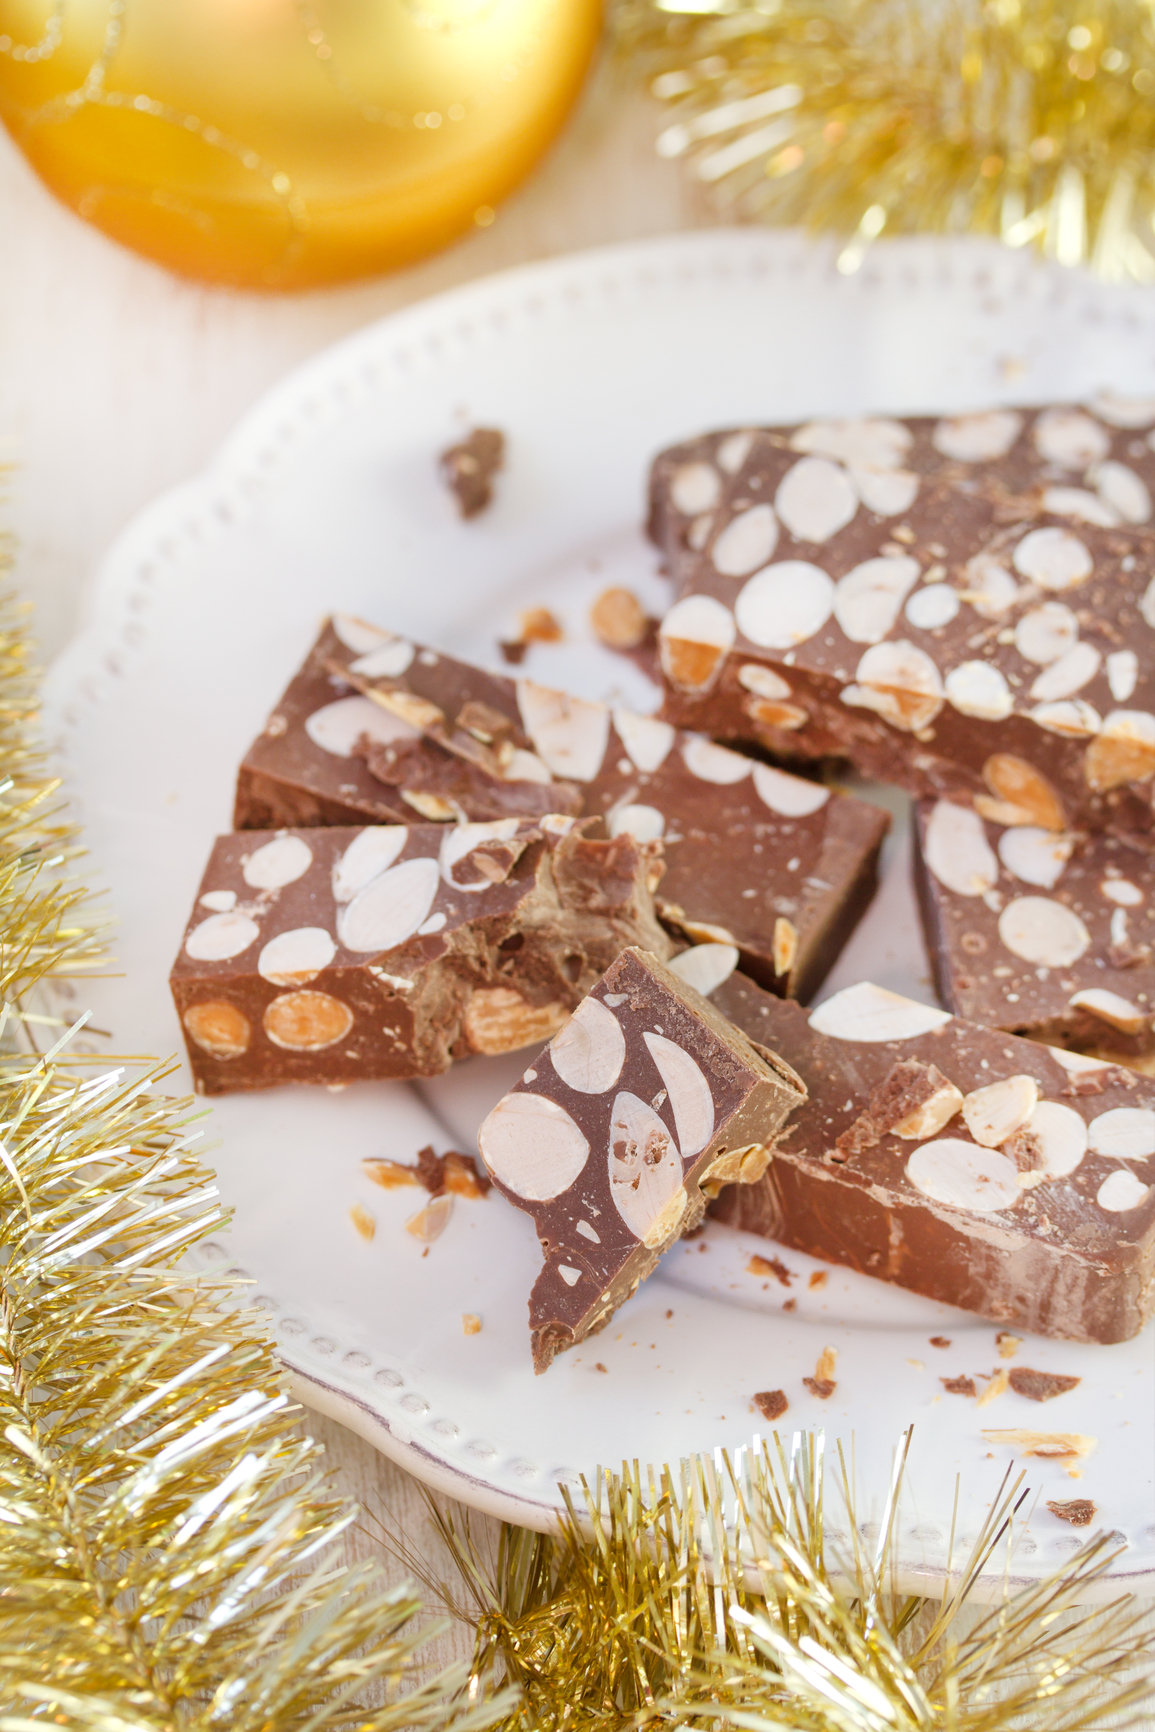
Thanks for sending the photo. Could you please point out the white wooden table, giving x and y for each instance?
(118, 381)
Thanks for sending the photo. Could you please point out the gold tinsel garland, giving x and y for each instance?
(1029, 120)
(167, 1540)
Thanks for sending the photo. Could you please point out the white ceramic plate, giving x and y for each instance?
(327, 496)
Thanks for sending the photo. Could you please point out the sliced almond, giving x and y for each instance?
(218, 901)
(569, 734)
(523, 766)
(1023, 794)
(466, 840)
(306, 1021)
(410, 708)
(618, 619)
(990, 588)
(1122, 892)
(370, 853)
(790, 796)
(875, 441)
(1053, 558)
(815, 499)
(775, 715)
(978, 438)
(589, 1052)
(711, 763)
(1043, 932)
(785, 945)
(1046, 633)
(498, 1020)
(1147, 604)
(1077, 502)
(221, 937)
(390, 1175)
(956, 850)
(978, 689)
(747, 542)
(357, 634)
(1111, 1007)
(430, 1222)
(1049, 1445)
(785, 604)
(701, 931)
(388, 660)
(929, 1117)
(1120, 411)
(218, 1027)
(900, 683)
(1123, 751)
(1122, 674)
(694, 640)
(390, 908)
(886, 492)
(1121, 1192)
(646, 739)
(870, 1013)
(935, 605)
(1068, 675)
(1071, 719)
(1035, 856)
(695, 487)
(691, 1098)
(1070, 438)
(763, 682)
(431, 807)
(296, 957)
(964, 1176)
(645, 1170)
(1124, 1133)
(996, 1386)
(868, 600)
(706, 966)
(532, 1147)
(281, 861)
(996, 1112)
(645, 823)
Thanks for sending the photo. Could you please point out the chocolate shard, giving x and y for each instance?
(776, 867)
(1079, 1511)
(644, 1101)
(822, 1388)
(468, 468)
(333, 955)
(1070, 1254)
(958, 1385)
(914, 1101)
(771, 1403)
(1040, 1385)
(1044, 934)
(953, 605)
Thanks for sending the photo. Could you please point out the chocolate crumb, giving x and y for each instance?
(958, 1385)
(770, 1266)
(513, 653)
(790, 1305)
(940, 1340)
(914, 1099)
(820, 1387)
(468, 468)
(1025, 1148)
(598, 1366)
(1077, 1510)
(451, 1171)
(1040, 1385)
(817, 1279)
(771, 1403)
(669, 1314)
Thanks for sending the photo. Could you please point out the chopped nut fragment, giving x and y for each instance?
(1079, 1511)
(827, 1360)
(820, 1387)
(1008, 1345)
(770, 1266)
(363, 1220)
(817, 1278)
(1048, 1445)
(390, 1175)
(958, 1385)
(599, 1366)
(462, 1175)
(430, 1222)
(939, 1340)
(771, 1403)
(996, 1386)
(785, 945)
(618, 619)
(468, 469)
(1040, 1385)
(470, 1323)
(539, 625)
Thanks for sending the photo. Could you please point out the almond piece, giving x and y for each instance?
(281, 861)
(1035, 856)
(218, 1028)
(1121, 1192)
(978, 438)
(691, 1097)
(964, 1176)
(1068, 675)
(785, 945)
(994, 1113)
(306, 1021)
(498, 1019)
(706, 966)
(956, 850)
(430, 1222)
(775, 715)
(589, 1051)
(1119, 1012)
(363, 1220)
(1123, 751)
(785, 604)
(1070, 438)
(900, 683)
(1048, 1445)
(693, 640)
(747, 542)
(1023, 794)
(815, 499)
(470, 1323)
(1045, 634)
(695, 487)
(1043, 932)
(1124, 1133)
(532, 1146)
(868, 600)
(871, 1013)
(645, 1170)
(1053, 558)
(618, 619)
(977, 689)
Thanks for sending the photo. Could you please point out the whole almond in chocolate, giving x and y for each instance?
(645, 1103)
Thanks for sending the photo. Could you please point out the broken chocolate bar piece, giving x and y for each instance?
(1043, 933)
(333, 955)
(468, 468)
(776, 865)
(969, 628)
(1065, 1246)
(646, 1102)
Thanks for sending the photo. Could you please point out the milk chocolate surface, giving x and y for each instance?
(644, 1103)
(1046, 935)
(332, 955)
(777, 865)
(1031, 1203)
(959, 607)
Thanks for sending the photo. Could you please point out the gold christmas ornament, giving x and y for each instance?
(280, 144)
(1028, 120)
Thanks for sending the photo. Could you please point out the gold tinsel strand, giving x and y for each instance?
(167, 1540)
(1029, 120)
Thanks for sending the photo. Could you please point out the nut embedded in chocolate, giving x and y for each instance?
(615, 1131)
(469, 467)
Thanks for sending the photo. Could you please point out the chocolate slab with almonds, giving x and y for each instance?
(778, 865)
(978, 628)
(642, 1106)
(332, 955)
(989, 1172)
(1046, 935)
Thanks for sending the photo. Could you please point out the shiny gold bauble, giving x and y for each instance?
(279, 144)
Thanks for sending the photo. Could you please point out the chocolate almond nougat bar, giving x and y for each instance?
(376, 729)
